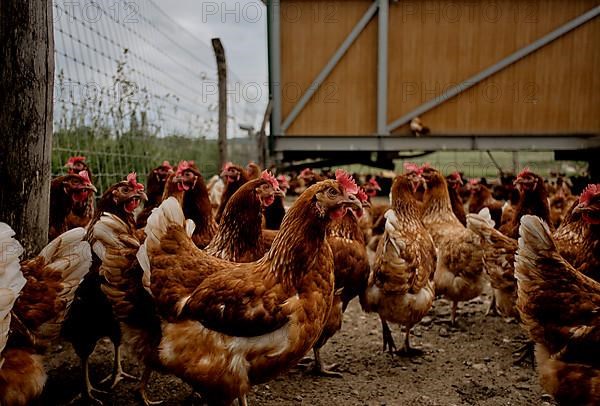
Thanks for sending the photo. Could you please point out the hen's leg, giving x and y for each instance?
(319, 369)
(453, 313)
(142, 388)
(492, 310)
(118, 374)
(407, 349)
(243, 401)
(88, 390)
(388, 340)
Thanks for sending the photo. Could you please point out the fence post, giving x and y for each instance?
(26, 93)
(222, 74)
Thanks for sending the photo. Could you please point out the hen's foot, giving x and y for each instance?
(409, 352)
(526, 354)
(306, 361)
(121, 375)
(320, 370)
(87, 397)
(145, 400)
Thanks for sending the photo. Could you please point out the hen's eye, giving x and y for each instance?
(332, 192)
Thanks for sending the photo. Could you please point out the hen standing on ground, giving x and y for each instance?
(459, 273)
(230, 326)
(351, 271)
(400, 287)
(91, 317)
(559, 308)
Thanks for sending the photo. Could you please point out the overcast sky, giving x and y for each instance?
(241, 25)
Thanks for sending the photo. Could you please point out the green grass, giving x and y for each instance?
(476, 164)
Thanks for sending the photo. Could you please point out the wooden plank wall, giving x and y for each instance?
(433, 45)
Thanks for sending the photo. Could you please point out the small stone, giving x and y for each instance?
(298, 398)
(355, 393)
(480, 367)
(522, 378)
(487, 359)
(426, 321)
(443, 332)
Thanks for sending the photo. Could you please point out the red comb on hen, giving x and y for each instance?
(268, 176)
(227, 165)
(86, 177)
(412, 167)
(71, 161)
(183, 166)
(132, 179)
(346, 181)
(167, 165)
(526, 171)
(590, 191)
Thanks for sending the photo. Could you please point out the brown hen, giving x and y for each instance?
(229, 326)
(559, 308)
(459, 273)
(400, 287)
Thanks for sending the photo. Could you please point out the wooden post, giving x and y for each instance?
(222, 74)
(26, 92)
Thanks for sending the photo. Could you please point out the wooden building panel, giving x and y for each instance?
(434, 45)
(346, 102)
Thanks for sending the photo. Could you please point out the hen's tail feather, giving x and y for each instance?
(481, 224)
(116, 246)
(11, 279)
(71, 255)
(169, 213)
(535, 243)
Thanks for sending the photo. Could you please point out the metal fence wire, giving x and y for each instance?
(134, 88)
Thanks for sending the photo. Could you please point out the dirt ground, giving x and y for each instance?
(471, 364)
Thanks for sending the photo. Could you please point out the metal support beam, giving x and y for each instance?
(484, 74)
(274, 15)
(337, 56)
(499, 142)
(382, 67)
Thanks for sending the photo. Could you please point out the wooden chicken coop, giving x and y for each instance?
(348, 76)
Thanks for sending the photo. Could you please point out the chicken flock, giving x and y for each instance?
(223, 285)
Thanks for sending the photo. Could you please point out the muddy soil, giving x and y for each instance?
(471, 364)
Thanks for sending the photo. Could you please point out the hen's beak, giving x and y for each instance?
(353, 203)
(143, 196)
(280, 193)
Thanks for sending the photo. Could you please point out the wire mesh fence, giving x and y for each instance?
(134, 88)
